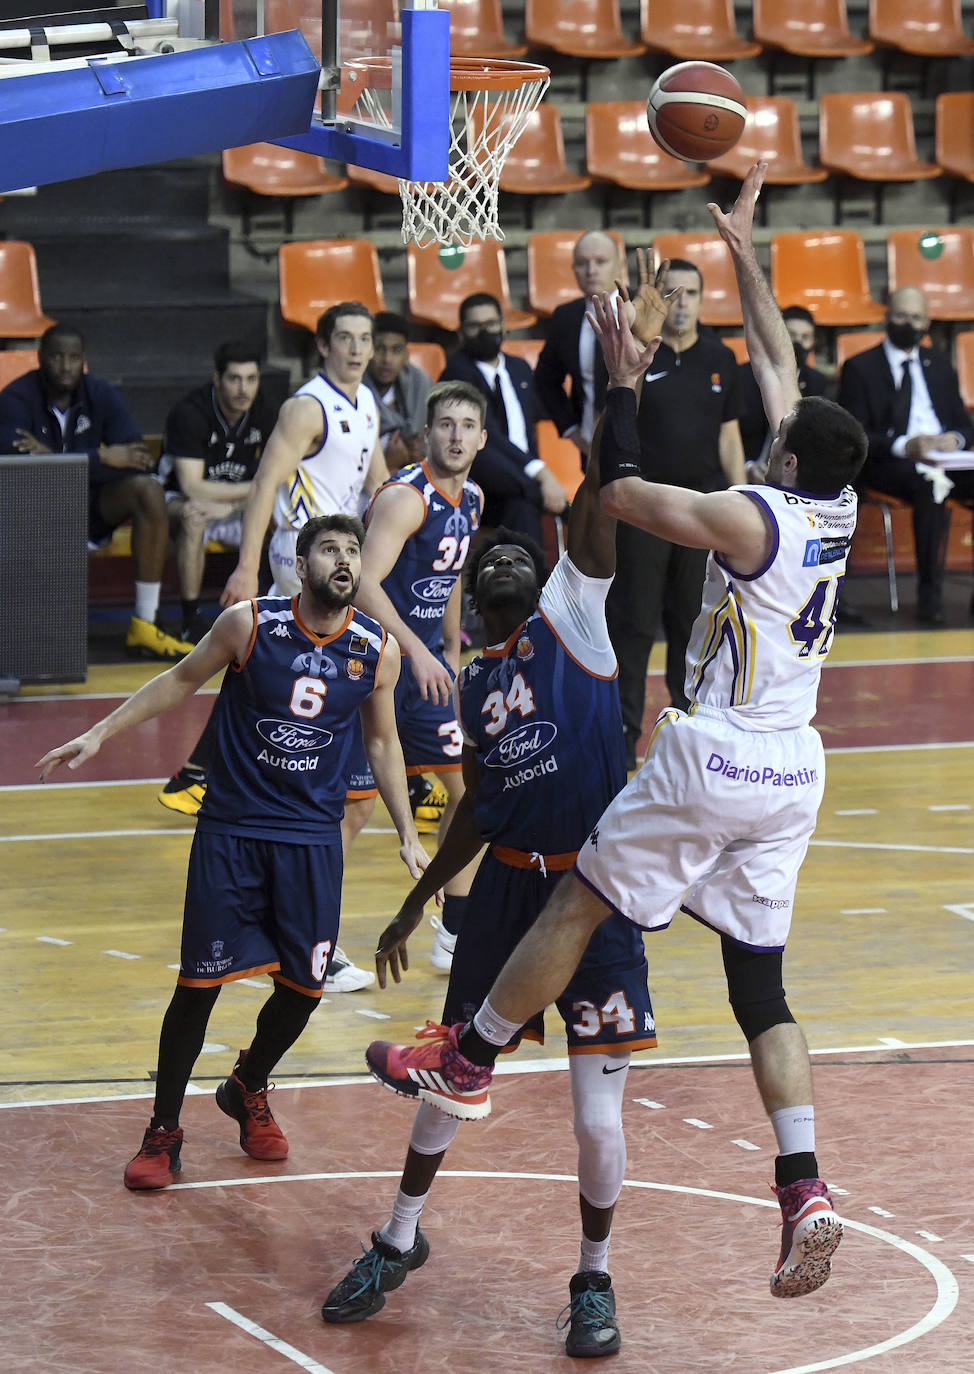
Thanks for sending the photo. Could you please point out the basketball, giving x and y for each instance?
(696, 111)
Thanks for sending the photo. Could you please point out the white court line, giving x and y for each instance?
(525, 1066)
(899, 748)
(275, 1342)
(898, 848)
(21, 698)
(946, 1284)
(138, 834)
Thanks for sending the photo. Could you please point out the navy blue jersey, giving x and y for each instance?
(543, 714)
(284, 721)
(426, 571)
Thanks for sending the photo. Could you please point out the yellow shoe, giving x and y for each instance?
(145, 640)
(184, 792)
(428, 810)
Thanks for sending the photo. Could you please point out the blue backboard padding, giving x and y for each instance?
(63, 124)
(423, 151)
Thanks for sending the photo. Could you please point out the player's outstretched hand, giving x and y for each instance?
(74, 754)
(434, 679)
(391, 955)
(647, 310)
(735, 227)
(625, 358)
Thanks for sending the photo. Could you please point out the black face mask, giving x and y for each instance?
(801, 353)
(484, 346)
(903, 336)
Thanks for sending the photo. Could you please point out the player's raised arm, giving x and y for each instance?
(769, 345)
(226, 641)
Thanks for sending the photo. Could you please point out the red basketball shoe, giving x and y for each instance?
(810, 1233)
(260, 1135)
(157, 1163)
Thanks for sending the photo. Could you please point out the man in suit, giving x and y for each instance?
(571, 349)
(908, 400)
(755, 435)
(516, 484)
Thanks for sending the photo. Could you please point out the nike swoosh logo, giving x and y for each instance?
(655, 376)
(618, 1070)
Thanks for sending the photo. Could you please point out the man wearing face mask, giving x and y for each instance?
(908, 400)
(755, 434)
(516, 484)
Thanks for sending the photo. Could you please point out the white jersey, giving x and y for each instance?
(330, 480)
(757, 647)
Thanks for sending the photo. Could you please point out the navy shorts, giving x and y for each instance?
(259, 906)
(429, 732)
(606, 1005)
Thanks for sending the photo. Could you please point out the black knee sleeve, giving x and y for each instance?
(755, 989)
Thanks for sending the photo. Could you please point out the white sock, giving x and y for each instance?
(594, 1256)
(493, 1028)
(147, 600)
(400, 1230)
(794, 1129)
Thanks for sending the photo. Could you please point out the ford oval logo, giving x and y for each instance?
(521, 744)
(293, 738)
(433, 588)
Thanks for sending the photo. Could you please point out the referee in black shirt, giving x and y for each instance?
(688, 421)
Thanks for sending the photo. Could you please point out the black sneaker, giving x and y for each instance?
(362, 1291)
(590, 1317)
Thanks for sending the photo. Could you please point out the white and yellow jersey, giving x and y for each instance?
(330, 480)
(759, 642)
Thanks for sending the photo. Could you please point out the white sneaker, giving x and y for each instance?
(441, 955)
(344, 976)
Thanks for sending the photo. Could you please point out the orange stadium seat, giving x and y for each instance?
(435, 287)
(477, 30)
(620, 149)
(924, 28)
(528, 349)
(710, 255)
(579, 28)
(940, 262)
(847, 345)
(320, 273)
(269, 170)
(375, 181)
(771, 134)
(805, 28)
(689, 29)
(14, 362)
(21, 316)
(954, 140)
(825, 271)
(430, 357)
(551, 281)
(964, 346)
(869, 135)
(737, 345)
(536, 163)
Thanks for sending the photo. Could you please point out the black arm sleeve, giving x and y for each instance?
(619, 450)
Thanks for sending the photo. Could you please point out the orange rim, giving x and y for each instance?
(466, 73)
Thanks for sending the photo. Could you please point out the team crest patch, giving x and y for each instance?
(216, 949)
(355, 668)
(358, 644)
(525, 649)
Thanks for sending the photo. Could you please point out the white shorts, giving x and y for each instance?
(282, 560)
(716, 821)
(226, 530)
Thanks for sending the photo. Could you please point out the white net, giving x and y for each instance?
(484, 126)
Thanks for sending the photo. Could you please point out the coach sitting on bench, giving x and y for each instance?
(58, 408)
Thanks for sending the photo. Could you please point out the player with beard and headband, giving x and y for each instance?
(547, 682)
(263, 890)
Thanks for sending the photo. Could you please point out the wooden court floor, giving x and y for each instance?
(228, 1270)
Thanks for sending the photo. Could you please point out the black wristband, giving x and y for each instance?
(619, 452)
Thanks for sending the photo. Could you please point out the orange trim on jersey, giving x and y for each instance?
(319, 639)
(415, 769)
(521, 858)
(453, 501)
(649, 1043)
(602, 677)
(397, 482)
(378, 662)
(361, 794)
(313, 993)
(227, 978)
(238, 667)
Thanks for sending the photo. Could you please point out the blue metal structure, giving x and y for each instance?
(61, 124)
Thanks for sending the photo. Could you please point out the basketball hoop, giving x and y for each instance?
(490, 103)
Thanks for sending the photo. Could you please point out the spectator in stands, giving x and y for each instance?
(755, 435)
(59, 408)
(690, 438)
(400, 389)
(571, 349)
(516, 484)
(210, 450)
(908, 400)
